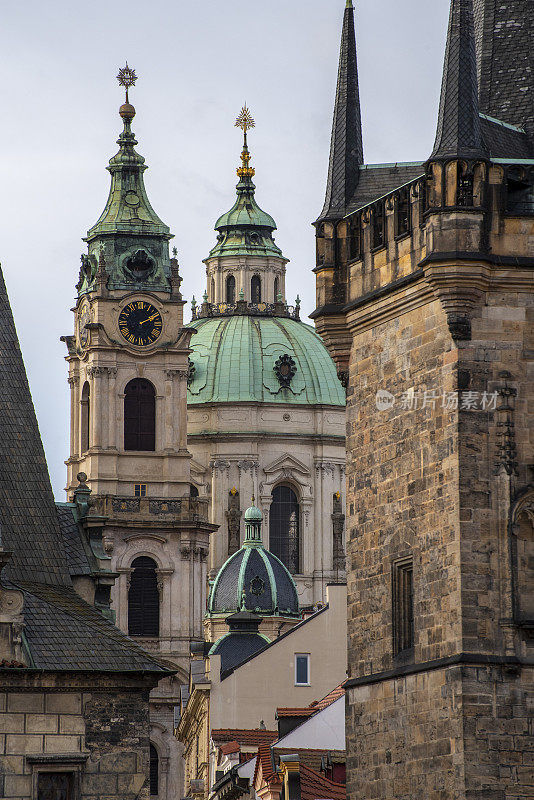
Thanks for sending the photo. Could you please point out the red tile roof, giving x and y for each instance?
(265, 761)
(231, 747)
(314, 786)
(313, 708)
(243, 737)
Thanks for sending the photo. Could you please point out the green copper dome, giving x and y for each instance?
(253, 514)
(244, 358)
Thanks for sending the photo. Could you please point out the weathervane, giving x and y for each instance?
(127, 78)
(245, 121)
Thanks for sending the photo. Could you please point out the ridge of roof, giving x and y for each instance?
(501, 122)
(314, 785)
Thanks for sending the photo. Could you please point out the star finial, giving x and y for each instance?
(127, 78)
(245, 121)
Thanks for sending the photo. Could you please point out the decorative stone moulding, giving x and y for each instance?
(285, 370)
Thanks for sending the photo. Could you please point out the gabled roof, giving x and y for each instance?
(323, 730)
(78, 558)
(313, 708)
(503, 140)
(378, 180)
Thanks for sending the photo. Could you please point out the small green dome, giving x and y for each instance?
(244, 358)
(253, 514)
(245, 211)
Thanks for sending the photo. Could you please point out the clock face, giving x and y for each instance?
(83, 320)
(140, 323)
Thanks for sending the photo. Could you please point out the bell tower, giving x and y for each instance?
(128, 373)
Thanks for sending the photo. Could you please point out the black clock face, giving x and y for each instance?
(140, 323)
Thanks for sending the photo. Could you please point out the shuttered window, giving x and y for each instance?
(284, 527)
(139, 415)
(143, 598)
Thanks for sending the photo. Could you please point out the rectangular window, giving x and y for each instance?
(403, 616)
(378, 222)
(55, 786)
(302, 669)
(403, 216)
(140, 489)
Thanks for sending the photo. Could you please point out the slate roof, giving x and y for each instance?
(505, 42)
(378, 180)
(78, 559)
(459, 131)
(27, 510)
(505, 141)
(346, 148)
(61, 631)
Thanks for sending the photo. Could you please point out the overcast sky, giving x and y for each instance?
(197, 63)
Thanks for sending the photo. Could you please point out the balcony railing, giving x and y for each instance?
(243, 308)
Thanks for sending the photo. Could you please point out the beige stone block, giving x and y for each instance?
(71, 724)
(19, 786)
(64, 703)
(21, 744)
(62, 744)
(12, 764)
(41, 723)
(30, 702)
(11, 723)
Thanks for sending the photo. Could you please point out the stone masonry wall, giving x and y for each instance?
(39, 729)
(438, 483)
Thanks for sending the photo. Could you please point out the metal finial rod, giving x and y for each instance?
(127, 78)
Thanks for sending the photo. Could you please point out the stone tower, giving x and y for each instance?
(128, 367)
(425, 299)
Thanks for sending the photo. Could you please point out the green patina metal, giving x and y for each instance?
(245, 229)
(235, 359)
(129, 241)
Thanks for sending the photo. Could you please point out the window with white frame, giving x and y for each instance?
(302, 669)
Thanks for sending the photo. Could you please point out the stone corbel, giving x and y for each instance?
(460, 287)
(162, 574)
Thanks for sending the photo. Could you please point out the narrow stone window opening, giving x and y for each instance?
(284, 527)
(355, 239)
(403, 610)
(404, 215)
(85, 416)
(519, 192)
(378, 221)
(55, 786)
(154, 772)
(255, 289)
(230, 289)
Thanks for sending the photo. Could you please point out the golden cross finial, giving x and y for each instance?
(127, 78)
(245, 121)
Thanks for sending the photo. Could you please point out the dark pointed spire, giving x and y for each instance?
(459, 132)
(346, 149)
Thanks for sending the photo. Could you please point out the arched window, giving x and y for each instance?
(230, 289)
(255, 289)
(284, 527)
(154, 771)
(212, 298)
(86, 415)
(139, 415)
(524, 565)
(276, 289)
(143, 598)
(193, 491)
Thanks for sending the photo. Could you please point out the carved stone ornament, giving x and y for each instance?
(191, 369)
(122, 504)
(165, 506)
(285, 370)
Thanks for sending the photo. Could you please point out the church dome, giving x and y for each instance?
(262, 359)
(253, 579)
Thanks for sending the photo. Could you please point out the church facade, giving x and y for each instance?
(425, 299)
(266, 410)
